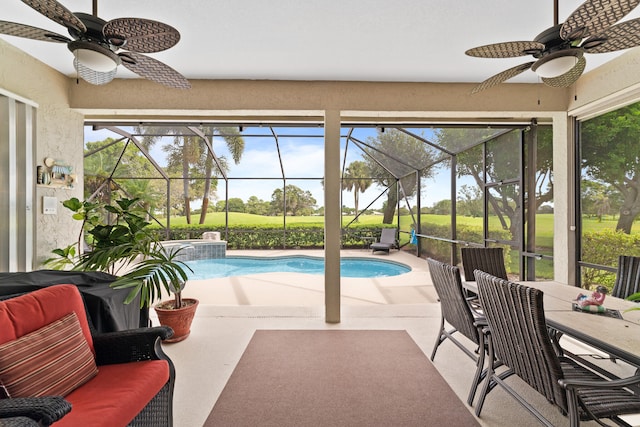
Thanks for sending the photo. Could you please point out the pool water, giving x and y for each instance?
(243, 265)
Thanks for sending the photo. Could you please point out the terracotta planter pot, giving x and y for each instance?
(178, 319)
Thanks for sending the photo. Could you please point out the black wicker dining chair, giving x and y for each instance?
(519, 338)
(627, 276)
(456, 312)
(489, 260)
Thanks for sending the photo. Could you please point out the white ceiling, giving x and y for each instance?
(366, 40)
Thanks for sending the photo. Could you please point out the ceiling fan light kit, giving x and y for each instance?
(559, 50)
(96, 43)
(94, 63)
(556, 64)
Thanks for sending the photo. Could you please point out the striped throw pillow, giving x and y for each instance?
(53, 360)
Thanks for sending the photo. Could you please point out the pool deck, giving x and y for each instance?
(232, 309)
(297, 289)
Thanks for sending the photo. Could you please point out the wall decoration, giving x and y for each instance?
(55, 174)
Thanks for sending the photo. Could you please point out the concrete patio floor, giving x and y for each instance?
(232, 309)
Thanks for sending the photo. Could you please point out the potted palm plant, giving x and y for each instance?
(128, 249)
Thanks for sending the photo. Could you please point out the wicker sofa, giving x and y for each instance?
(111, 379)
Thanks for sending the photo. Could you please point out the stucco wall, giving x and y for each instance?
(59, 136)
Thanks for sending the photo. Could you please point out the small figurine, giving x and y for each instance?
(596, 297)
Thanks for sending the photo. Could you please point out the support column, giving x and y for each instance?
(332, 219)
(564, 191)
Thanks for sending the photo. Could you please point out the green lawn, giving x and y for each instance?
(544, 226)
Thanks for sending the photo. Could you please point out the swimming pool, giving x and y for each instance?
(244, 265)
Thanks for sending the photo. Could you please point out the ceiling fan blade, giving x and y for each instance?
(141, 35)
(506, 49)
(57, 12)
(595, 16)
(503, 76)
(621, 36)
(154, 70)
(568, 78)
(29, 32)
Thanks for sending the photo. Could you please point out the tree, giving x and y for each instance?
(502, 160)
(107, 160)
(298, 201)
(357, 179)
(256, 206)
(610, 154)
(412, 156)
(442, 207)
(190, 157)
(598, 198)
(184, 152)
(236, 204)
(470, 201)
(221, 206)
(235, 145)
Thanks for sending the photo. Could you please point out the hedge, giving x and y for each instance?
(603, 248)
(441, 250)
(299, 236)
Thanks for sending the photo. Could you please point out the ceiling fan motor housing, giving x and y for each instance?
(94, 31)
(552, 41)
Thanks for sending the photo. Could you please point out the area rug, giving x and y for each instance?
(336, 378)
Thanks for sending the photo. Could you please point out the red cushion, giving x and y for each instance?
(51, 361)
(27, 313)
(116, 395)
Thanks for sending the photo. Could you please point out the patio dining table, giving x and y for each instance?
(617, 336)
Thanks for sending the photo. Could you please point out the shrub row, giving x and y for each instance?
(303, 236)
(603, 248)
(441, 250)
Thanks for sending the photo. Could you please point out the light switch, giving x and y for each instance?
(49, 205)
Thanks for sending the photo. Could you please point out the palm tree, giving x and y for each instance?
(190, 155)
(357, 179)
(235, 145)
(184, 152)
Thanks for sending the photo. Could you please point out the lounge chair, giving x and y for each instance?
(387, 241)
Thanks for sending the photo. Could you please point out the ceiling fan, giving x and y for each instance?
(99, 47)
(559, 50)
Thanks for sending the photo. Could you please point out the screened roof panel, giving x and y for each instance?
(247, 154)
(456, 140)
